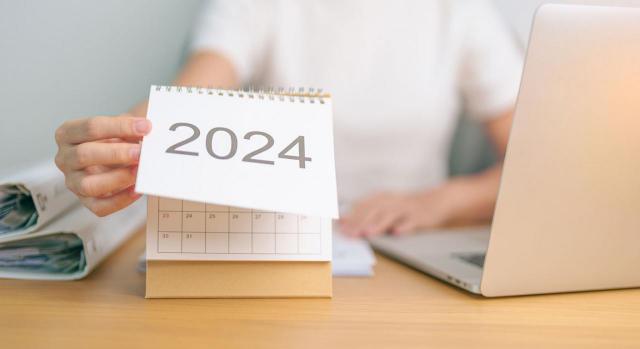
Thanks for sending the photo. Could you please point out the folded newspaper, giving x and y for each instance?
(31, 198)
(70, 246)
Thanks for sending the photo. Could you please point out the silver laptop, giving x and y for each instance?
(568, 211)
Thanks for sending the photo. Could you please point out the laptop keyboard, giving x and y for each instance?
(476, 259)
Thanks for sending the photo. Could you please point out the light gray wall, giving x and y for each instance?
(70, 58)
(519, 13)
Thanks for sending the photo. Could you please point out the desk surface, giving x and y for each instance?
(398, 307)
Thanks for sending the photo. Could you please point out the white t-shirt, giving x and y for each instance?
(399, 72)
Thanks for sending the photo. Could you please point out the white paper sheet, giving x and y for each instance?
(217, 165)
(352, 257)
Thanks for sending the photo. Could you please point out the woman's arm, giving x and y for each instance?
(462, 199)
(99, 155)
(474, 197)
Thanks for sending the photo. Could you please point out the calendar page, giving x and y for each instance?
(187, 230)
(271, 152)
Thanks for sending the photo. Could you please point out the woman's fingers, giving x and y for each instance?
(351, 221)
(356, 226)
(381, 222)
(377, 220)
(370, 215)
(404, 226)
(102, 127)
(89, 154)
(96, 156)
(104, 206)
(101, 184)
(361, 219)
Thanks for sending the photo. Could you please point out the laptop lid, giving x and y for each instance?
(568, 212)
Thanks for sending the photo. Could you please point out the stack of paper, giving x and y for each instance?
(352, 257)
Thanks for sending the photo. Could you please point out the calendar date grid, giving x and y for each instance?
(199, 228)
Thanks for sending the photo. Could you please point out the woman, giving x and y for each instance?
(400, 73)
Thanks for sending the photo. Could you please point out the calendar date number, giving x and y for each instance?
(252, 156)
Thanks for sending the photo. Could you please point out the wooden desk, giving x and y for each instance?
(398, 308)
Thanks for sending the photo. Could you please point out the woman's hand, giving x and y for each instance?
(99, 158)
(398, 213)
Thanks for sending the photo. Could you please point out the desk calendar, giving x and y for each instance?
(238, 175)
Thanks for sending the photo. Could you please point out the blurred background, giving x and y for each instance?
(70, 58)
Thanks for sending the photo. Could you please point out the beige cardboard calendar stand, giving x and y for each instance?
(221, 279)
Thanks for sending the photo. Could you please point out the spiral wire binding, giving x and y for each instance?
(301, 95)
